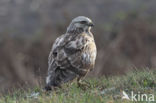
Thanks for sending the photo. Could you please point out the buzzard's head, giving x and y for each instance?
(80, 23)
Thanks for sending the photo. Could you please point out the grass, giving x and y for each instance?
(102, 90)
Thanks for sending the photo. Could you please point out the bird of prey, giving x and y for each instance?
(73, 54)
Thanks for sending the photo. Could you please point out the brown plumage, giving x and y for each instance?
(73, 54)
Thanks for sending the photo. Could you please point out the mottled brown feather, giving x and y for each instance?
(73, 54)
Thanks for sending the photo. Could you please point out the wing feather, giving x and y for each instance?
(74, 53)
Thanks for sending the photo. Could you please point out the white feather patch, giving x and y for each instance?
(47, 79)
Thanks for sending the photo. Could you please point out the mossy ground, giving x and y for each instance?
(102, 90)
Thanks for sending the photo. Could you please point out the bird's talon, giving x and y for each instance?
(84, 86)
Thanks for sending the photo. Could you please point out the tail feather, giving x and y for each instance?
(58, 77)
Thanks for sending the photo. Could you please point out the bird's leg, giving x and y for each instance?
(78, 81)
(83, 85)
(86, 82)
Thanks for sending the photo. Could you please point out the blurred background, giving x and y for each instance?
(125, 34)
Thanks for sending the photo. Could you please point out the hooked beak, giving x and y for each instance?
(91, 24)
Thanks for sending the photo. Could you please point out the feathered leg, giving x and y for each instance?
(83, 84)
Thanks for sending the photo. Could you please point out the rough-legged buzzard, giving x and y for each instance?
(73, 54)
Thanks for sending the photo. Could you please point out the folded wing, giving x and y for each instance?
(71, 56)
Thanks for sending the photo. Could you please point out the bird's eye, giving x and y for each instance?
(83, 22)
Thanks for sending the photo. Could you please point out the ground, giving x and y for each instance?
(101, 90)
